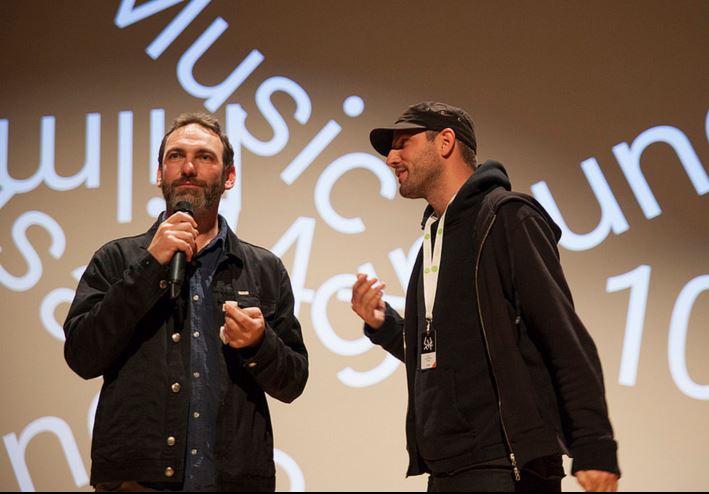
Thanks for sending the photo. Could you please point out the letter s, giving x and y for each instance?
(34, 263)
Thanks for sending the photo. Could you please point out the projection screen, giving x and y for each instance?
(599, 110)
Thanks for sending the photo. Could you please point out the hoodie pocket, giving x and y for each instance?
(442, 431)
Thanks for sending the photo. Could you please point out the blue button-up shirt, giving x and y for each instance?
(200, 467)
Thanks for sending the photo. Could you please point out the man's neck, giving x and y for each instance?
(449, 188)
(207, 227)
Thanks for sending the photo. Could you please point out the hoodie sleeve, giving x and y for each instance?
(571, 357)
(390, 335)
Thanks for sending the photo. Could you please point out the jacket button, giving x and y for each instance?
(175, 387)
(170, 441)
(176, 337)
(163, 284)
(169, 472)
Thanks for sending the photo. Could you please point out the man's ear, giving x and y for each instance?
(446, 142)
(230, 181)
(159, 175)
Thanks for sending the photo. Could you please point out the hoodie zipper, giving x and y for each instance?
(512, 457)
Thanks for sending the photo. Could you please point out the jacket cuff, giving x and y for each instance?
(264, 353)
(600, 455)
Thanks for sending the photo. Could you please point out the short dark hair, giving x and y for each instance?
(210, 123)
(466, 151)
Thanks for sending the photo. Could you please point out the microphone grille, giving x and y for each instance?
(185, 207)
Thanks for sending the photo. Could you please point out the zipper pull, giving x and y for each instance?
(518, 477)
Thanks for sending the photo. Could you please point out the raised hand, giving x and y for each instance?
(367, 300)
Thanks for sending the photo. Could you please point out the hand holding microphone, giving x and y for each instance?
(175, 242)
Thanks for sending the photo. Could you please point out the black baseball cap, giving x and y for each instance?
(427, 115)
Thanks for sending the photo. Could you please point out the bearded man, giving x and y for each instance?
(186, 364)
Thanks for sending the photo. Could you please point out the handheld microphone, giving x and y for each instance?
(177, 265)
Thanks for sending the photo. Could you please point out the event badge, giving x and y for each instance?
(428, 349)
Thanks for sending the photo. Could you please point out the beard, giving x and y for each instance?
(202, 199)
(422, 176)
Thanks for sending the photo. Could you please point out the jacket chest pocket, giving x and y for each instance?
(245, 299)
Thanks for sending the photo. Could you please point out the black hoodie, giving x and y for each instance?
(517, 373)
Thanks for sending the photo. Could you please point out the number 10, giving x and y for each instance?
(638, 280)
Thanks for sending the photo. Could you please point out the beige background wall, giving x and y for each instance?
(551, 86)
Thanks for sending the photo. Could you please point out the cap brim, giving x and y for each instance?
(381, 137)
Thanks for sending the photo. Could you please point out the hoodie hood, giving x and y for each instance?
(487, 176)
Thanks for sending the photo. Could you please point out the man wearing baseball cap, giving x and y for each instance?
(503, 377)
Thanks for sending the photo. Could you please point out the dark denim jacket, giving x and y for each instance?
(123, 326)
